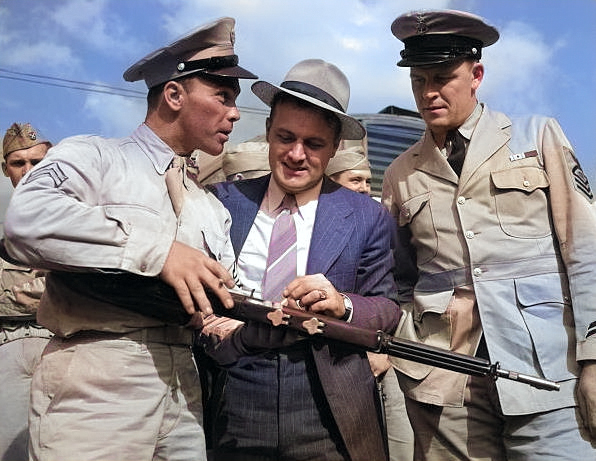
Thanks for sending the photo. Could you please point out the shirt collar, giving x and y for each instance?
(274, 196)
(467, 128)
(159, 152)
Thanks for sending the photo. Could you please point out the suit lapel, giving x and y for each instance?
(243, 202)
(332, 229)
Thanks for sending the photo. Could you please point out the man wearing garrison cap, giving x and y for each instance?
(117, 383)
(22, 339)
(350, 167)
(495, 258)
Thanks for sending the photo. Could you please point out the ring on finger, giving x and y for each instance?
(298, 304)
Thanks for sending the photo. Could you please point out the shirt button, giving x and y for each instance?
(143, 267)
(469, 234)
(526, 183)
(461, 200)
(477, 272)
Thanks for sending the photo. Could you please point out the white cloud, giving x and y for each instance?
(520, 71)
(116, 115)
(92, 23)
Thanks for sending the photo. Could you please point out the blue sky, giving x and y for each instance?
(545, 61)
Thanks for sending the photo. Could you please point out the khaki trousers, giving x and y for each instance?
(105, 397)
(479, 431)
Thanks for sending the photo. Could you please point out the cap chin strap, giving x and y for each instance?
(213, 63)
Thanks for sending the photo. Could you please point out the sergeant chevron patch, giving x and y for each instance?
(52, 170)
(591, 330)
(580, 180)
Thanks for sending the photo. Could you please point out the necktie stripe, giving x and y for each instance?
(281, 259)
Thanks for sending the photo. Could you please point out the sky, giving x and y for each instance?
(52, 52)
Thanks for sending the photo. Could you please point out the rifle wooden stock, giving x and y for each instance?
(150, 296)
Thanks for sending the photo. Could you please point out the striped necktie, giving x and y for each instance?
(281, 258)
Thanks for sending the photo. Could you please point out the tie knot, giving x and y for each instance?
(289, 203)
(176, 162)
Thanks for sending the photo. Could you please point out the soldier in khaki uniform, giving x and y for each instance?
(114, 384)
(495, 257)
(22, 340)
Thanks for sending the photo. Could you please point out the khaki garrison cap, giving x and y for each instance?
(21, 136)
(208, 49)
(351, 155)
(249, 158)
(437, 36)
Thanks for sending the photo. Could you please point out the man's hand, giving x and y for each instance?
(189, 271)
(587, 396)
(379, 363)
(316, 294)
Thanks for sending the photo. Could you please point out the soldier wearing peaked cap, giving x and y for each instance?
(496, 231)
(118, 384)
(22, 339)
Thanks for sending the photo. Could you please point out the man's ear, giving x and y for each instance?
(173, 93)
(5, 169)
(477, 74)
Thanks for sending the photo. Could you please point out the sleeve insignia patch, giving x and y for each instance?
(52, 170)
(580, 180)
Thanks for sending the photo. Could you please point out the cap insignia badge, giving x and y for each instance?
(421, 26)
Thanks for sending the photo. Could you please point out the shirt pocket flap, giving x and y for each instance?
(527, 178)
(411, 208)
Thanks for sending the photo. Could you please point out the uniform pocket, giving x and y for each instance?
(521, 201)
(416, 212)
(549, 320)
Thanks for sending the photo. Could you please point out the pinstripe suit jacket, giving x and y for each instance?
(350, 245)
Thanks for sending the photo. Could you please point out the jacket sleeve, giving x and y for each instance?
(59, 218)
(574, 217)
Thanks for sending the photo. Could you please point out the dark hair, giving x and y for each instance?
(332, 120)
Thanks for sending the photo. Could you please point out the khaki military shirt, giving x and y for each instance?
(505, 250)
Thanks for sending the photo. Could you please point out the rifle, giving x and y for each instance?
(151, 296)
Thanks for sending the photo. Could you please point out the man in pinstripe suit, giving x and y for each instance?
(285, 398)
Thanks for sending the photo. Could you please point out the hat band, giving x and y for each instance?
(440, 47)
(213, 63)
(312, 91)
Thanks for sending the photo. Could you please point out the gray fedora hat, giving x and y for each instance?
(321, 84)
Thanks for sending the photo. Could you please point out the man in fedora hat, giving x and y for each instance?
(285, 398)
(22, 339)
(496, 238)
(116, 384)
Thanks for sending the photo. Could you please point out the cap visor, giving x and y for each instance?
(236, 71)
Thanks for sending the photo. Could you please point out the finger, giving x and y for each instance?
(200, 297)
(185, 298)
